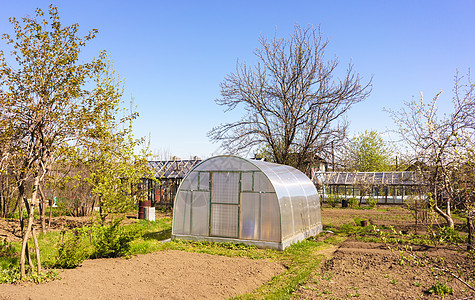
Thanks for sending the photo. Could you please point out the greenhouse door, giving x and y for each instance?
(225, 204)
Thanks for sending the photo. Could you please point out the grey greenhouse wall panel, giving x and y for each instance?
(232, 199)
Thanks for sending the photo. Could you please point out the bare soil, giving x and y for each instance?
(160, 275)
(371, 271)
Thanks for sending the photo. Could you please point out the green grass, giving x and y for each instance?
(150, 234)
(378, 234)
(56, 212)
(302, 260)
(9, 257)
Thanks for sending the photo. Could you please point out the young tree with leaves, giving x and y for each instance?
(48, 109)
(108, 150)
(293, 102)
(41, 98)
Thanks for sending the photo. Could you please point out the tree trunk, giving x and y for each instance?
(446, 215)
(50, 213)
(26, 234)
(471, 233)
(42, 210)
(21, 192)
(448, 218)
(37, 252)
(28, 257)
(102, 213)
(93, 205)
(24, 244)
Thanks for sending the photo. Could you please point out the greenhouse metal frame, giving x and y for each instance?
(233, 199)
(386, 187)
(169, 173)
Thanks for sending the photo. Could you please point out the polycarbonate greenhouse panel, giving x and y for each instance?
(204, 181)
(226, 163)
(247, 180)
(297, 211)
(181, 213)
(260, 217)
(314, 206)
(287, 218)
(224, 220)
(290, 196)
(225, 187)
(262, 183)
(250, 216)
(191, 182)
(270, 218)
(200, 213)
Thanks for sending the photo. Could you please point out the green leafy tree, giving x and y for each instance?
(112, 166)
(368, 152)
(49, 112)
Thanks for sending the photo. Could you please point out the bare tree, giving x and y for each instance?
(294, 105)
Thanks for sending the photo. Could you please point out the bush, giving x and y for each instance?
(371, 201)
(333, 199)
(353, 202)
(71, 252)
(112, 240)
(10, 275)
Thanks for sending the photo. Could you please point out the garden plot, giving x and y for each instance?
(159, 275)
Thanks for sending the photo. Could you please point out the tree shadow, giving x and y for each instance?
(159, 235)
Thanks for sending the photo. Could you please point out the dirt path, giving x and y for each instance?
(160, 275)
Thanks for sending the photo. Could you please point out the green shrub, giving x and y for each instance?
(12, 275)
(333, 199)
(112, 240)
(441, 289)
(353, 202)
(6, 249)
(71, 252)
(371, 201)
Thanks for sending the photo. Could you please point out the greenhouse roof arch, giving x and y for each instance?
(233, 199)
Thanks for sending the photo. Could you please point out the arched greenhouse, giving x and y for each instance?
(232, 199)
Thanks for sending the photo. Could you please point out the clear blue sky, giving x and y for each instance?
(174, 54)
